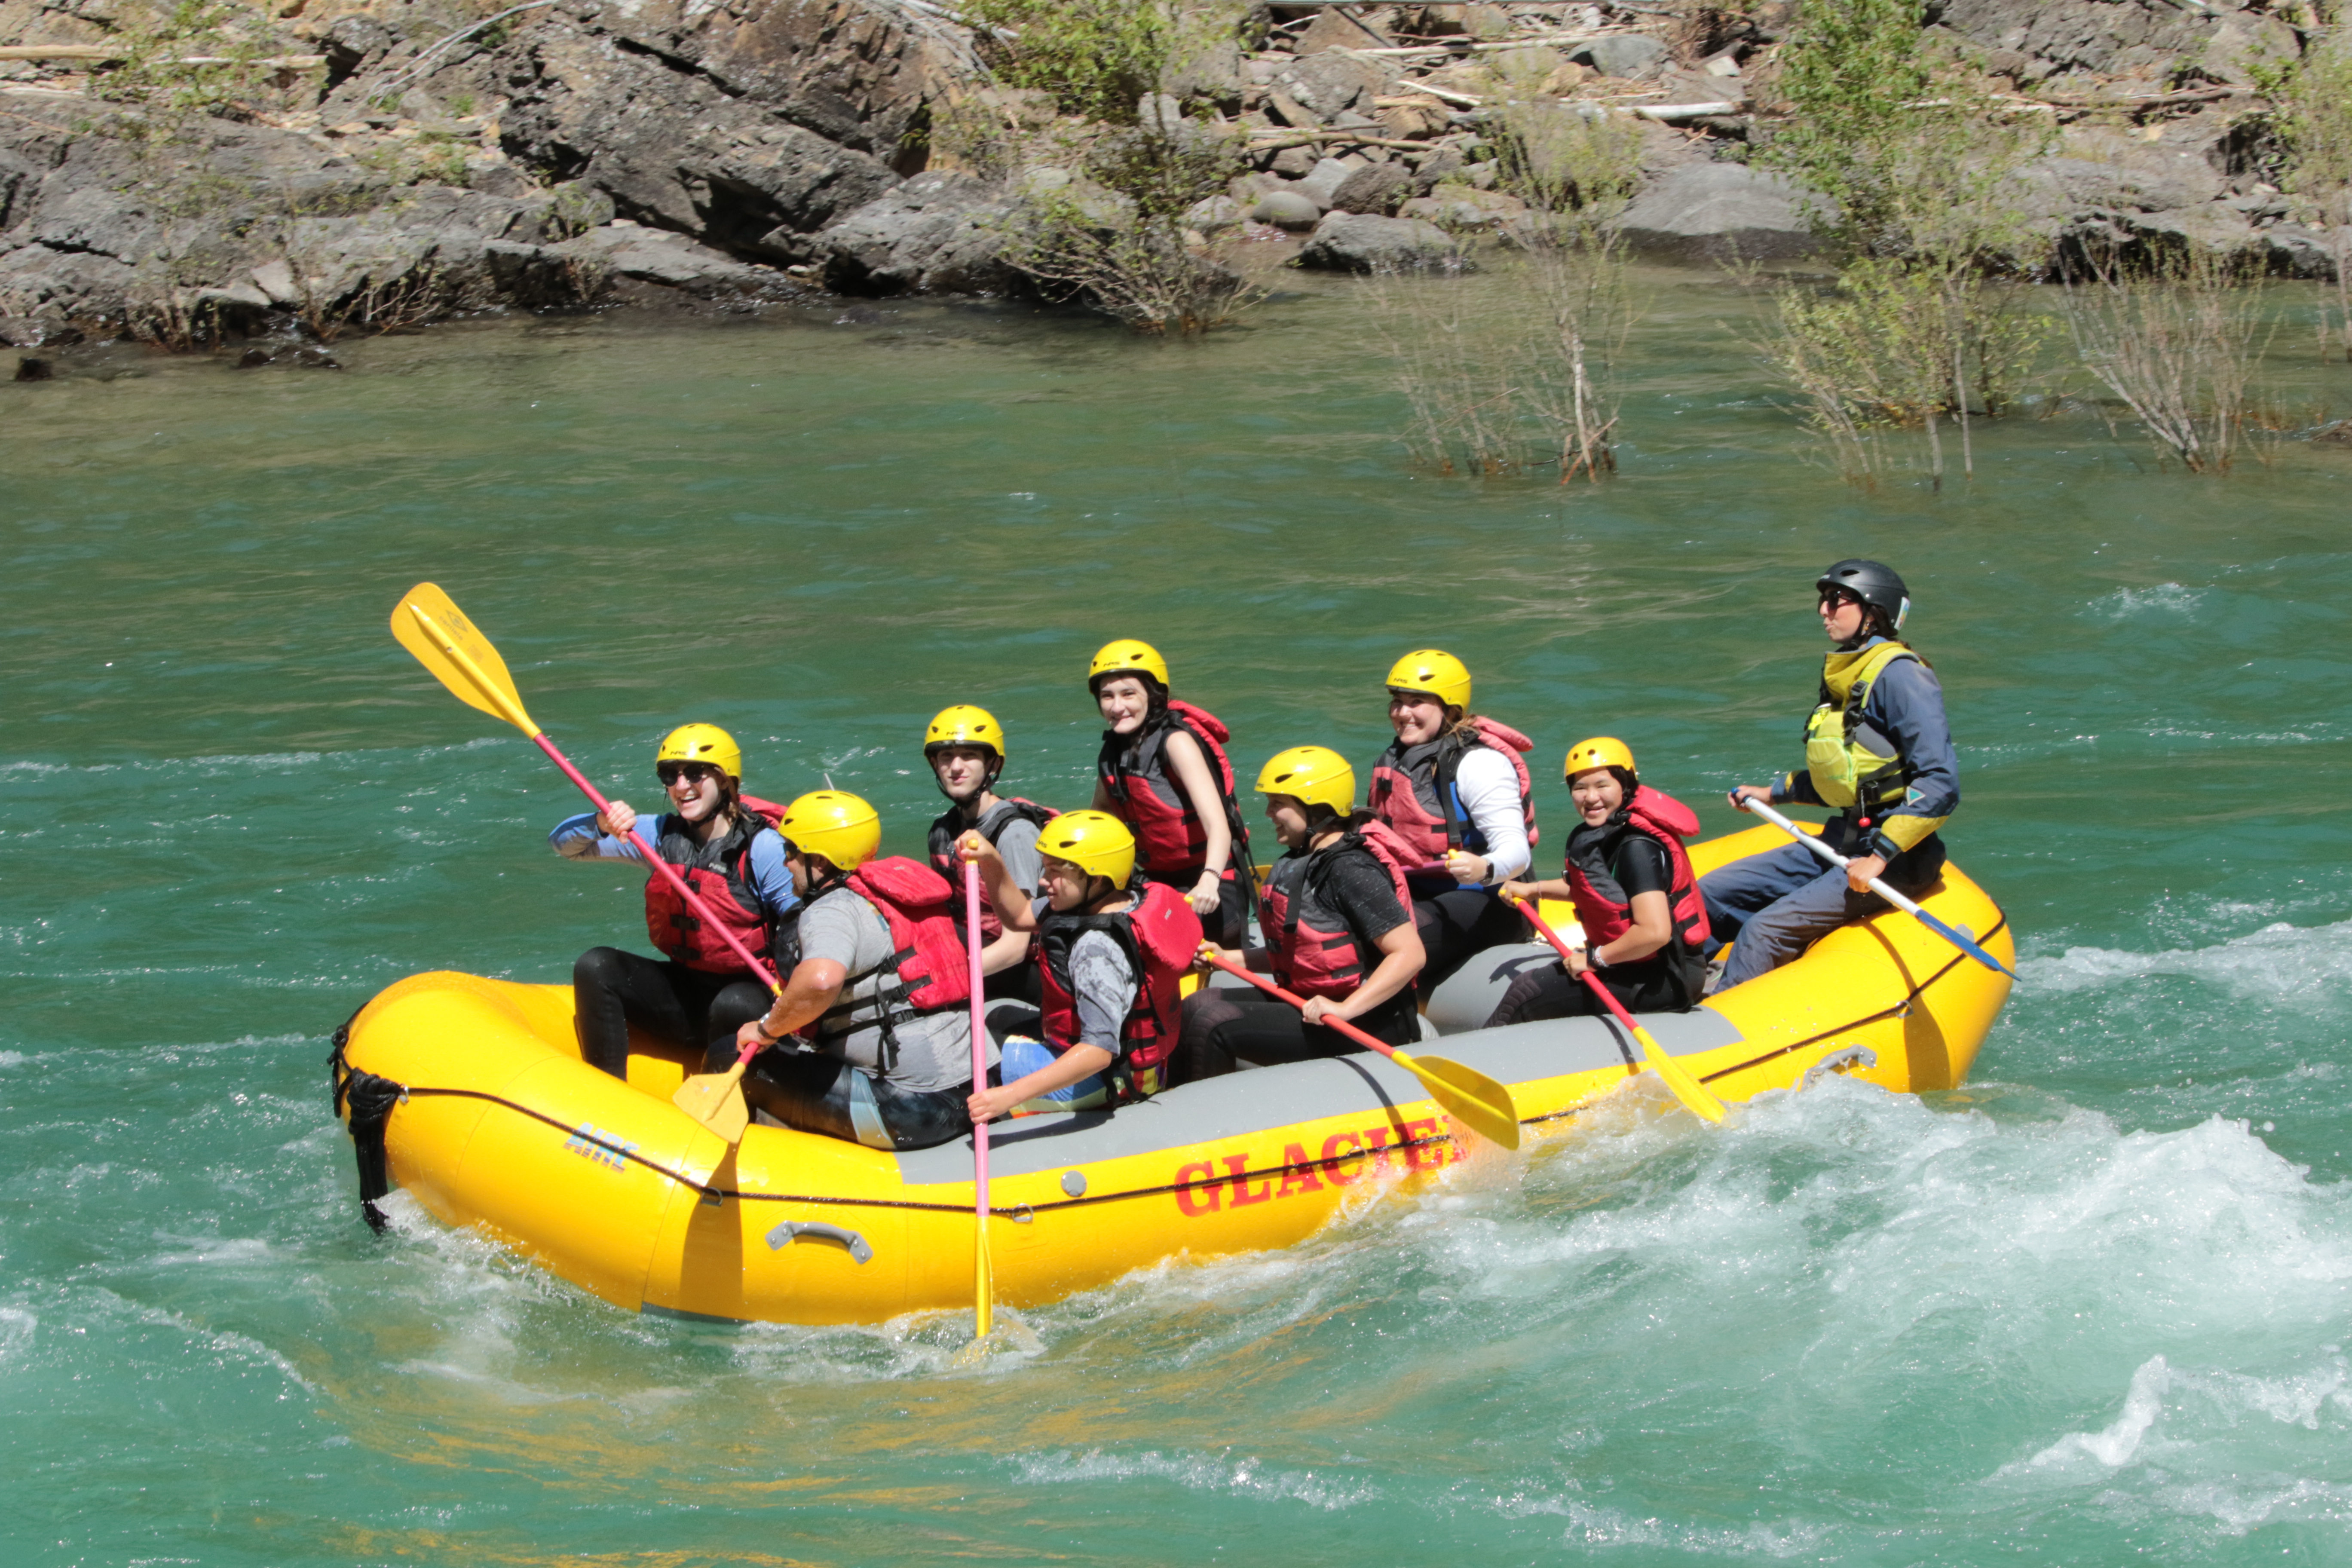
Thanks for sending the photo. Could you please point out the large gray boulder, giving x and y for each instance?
(1374, 188)
(1622, 55)
(940, 233)
(1359, 242)
(1722, 211)
(1329, 82)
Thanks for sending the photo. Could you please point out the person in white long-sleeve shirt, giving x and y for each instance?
(1453, 785)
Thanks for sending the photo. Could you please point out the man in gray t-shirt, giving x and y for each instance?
(933, 1049)
(883, 1072)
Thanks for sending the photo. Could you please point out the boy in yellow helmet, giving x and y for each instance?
(966, 748)
(880, 992)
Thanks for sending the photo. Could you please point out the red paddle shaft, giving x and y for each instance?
(1271, 989)
(662, 868)
(1551, 936)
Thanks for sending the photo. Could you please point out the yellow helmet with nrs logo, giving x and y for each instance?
(1434, 672)
(1095, 842)
(702, 743)
(1600, 752)
(965, 725)
(1315, 775)
(1126, 657)
(835, 824)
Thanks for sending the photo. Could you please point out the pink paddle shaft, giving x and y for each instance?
(662, 868)
(979, 1037)
(1345, 1029)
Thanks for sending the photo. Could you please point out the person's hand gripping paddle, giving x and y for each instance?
(444, 642)
(983, 1290)
(1471, 1098)
(1964, 940)
(1675, 1075)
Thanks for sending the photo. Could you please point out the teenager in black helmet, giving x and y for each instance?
(1879, 751)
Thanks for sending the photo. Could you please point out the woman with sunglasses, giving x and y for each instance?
(1879, 751)
(725, 846)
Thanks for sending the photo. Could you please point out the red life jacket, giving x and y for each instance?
(1413, 790)
(1601, 906)
(1170, 840)
(1160, 936)
(1315, 953)
(949, 825)
(929, 960)
(720, 871)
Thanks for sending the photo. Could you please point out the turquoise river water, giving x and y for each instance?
(2092, 1307)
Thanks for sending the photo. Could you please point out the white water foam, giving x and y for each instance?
(2163, 599)
(1243, 1477)
(16, 1329)
(2277, 962)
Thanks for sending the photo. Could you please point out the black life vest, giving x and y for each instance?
(1315, 952)
(719, 871)
(949, 825)
(1160, 937)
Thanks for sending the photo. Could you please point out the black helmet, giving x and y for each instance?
(1875, 584)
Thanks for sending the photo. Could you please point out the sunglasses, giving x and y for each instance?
(1833, 597)
(695, 772)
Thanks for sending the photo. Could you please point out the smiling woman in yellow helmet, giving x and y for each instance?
(1110, 962)
(1337, 925)
(1453, 785)
(721, 841)
(879, 994)
(1645, 932)
(1879, 751)
(1162, 771)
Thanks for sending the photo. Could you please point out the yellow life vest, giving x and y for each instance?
(1846, 773)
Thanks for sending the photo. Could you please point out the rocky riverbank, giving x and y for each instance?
(392, 163)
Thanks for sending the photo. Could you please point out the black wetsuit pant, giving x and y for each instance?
(1223, 1027)
(612, 990)
(1548, 991)
(1457, 925)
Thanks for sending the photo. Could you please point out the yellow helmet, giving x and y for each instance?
(1095, 842)
(702, 743)
(1315, 775)
(1439, 674)
(965, 725)
(1127, 656)
(835, 824)
(1600, 752)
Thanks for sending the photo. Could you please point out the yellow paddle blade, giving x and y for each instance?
(1678, 1078)
(716, 1099)
(1470, 1096)
(430, 626)
(984, 1285)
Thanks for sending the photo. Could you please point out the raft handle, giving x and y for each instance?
(1851, 1056)
(1019, 1213)
(792, 1230)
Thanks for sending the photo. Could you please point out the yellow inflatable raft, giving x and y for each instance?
(499, 1125)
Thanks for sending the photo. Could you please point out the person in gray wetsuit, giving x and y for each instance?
(1879, 751)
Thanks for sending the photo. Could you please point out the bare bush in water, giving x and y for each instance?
(2178, 342)
(1118, 234)
(1503, 380)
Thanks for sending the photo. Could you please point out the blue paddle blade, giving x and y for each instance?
(1964, 941)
